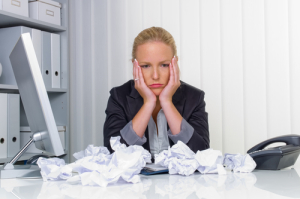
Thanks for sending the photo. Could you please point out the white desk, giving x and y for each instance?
(258, 184)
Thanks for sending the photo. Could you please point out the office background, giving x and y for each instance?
(243, 53)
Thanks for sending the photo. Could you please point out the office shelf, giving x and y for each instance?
(8, 19)
(57, 90)
(58, 97)
(8, 87)
(14, 89)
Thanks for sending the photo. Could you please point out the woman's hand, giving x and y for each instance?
(173, 84)
(141, 87)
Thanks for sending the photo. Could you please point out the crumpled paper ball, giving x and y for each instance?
(210, 161)
(54, 169)
(239, 163)
(179, 159)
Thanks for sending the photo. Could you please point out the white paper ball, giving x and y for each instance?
(0, 69)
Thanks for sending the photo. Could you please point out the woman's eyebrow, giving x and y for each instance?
(159, 62)
(144, 63)
(165, 61)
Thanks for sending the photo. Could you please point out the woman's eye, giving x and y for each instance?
(145, 66)
(165, 65)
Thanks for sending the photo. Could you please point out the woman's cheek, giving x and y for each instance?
(167, 76)
(145, 75)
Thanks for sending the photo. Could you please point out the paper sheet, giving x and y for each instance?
(154, 167)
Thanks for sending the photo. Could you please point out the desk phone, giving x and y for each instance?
(276, 158)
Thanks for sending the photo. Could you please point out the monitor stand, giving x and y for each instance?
(9, 170)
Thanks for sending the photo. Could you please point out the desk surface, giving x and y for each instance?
(258, 184)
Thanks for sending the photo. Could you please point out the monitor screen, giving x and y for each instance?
(34, 96)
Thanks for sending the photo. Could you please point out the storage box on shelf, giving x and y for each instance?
(59, 95)
(19, 7)
(45, 10)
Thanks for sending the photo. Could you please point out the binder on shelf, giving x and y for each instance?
(46, 59)
(55, 60)
(13, 124)
(36, 36)
(8, 40)
(25, 134)
(3, 125)
(51, 59)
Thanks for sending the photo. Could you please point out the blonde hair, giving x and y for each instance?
(154, 34)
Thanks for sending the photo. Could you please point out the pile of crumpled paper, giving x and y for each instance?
(97, 167)
(180, 159)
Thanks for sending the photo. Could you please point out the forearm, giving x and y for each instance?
(141, 119)
(173, 117)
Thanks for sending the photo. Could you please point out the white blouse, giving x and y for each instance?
(158, 141)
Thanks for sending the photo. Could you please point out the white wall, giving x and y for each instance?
(243, 54)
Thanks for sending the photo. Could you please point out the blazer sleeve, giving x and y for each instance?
(116, 124)
(198, 120)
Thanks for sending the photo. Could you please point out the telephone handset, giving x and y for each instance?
(276, 158)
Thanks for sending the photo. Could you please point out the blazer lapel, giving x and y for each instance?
(179, 100)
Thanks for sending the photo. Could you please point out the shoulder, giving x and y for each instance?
(190, 91)
(122, 91)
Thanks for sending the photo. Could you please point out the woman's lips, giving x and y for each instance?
(155, 85)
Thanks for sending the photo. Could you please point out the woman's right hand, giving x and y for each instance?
(139, 84)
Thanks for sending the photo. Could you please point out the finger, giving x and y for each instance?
(137, 73)
(141, 77)
(171, 66)
(175, 69)
(133, 71)
(136, 69)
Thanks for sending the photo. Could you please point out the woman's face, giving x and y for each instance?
(154, 59)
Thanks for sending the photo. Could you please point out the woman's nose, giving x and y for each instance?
(155, 73)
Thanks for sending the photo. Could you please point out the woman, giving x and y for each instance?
(156, 109)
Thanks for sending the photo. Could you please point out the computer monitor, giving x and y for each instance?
(36, 105)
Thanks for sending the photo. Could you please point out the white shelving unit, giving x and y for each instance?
(59, 98)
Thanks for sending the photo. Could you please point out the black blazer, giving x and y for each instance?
(125, 101)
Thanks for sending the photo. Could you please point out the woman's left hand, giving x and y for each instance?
(173, 84)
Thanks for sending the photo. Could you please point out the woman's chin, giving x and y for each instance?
(156, 91)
